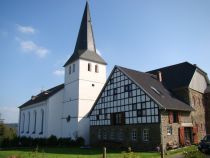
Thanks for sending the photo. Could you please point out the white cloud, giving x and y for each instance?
(98, 52)
(59, 72)
(26, 29)
(31, 47)
(9, 114)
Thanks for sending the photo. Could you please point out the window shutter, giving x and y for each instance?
(179, 117)
(170, 117)
(181, 135)
(195, 135)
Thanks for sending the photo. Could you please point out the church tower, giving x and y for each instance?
(85, 75)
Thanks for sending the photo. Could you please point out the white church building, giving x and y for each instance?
(63, 110)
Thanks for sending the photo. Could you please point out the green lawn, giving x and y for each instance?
(72, 153)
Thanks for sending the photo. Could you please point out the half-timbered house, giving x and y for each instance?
(136, 109)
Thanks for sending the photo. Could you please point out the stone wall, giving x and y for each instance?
(121, 136)
(207, 116)
(196, 100)
(174, 137)
(198, 116)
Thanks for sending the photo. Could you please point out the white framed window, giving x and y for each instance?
(169, 130)
(89, 66)
(120, 135)
(145, 134)
(104, 135)
(134, 135)
(99, 134)
(73, 68)
(112, 137)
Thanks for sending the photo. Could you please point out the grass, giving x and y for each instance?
(181, 150)
(72, 153)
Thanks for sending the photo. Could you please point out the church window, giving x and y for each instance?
(23, 122)
(89, 66)
(73, 68)
(96, 69)
(70, 69)
(29, 118)
(42, 121)
(34, 131)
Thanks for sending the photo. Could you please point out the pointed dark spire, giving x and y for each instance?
(85, 45)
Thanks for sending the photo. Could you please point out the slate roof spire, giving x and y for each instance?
(85, 45)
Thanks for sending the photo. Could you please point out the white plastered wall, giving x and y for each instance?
(198, 82)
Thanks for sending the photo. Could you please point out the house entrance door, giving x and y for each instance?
(188, 135)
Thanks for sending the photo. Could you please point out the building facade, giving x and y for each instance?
(62, 111)
(168, 106)
(136, 109)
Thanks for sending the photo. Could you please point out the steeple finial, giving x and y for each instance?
(85, 45)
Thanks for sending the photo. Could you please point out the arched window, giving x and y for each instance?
(73, 67)
(29, 118)
(89, 66)
(96, 69)
(23, 122)
(42, 123)
(34, 131)
(70, 69)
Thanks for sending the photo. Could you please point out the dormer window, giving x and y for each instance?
(89, 66)
(73, 67)
(70, 69)
(96, 68)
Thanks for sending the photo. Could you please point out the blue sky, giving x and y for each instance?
(37, 37)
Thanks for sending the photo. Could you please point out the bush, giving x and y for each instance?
(52, 141)
(193, 154)
(80, 141)
(33, 142)
(64, 141)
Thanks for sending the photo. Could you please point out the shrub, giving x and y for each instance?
(52, 141)
(33, 142)
(193, 154)
(80, 141)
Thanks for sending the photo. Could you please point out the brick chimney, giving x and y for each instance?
(159, 76)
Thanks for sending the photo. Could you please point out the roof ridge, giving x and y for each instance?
(185, 62)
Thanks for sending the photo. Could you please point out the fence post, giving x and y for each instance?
(104, 152)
